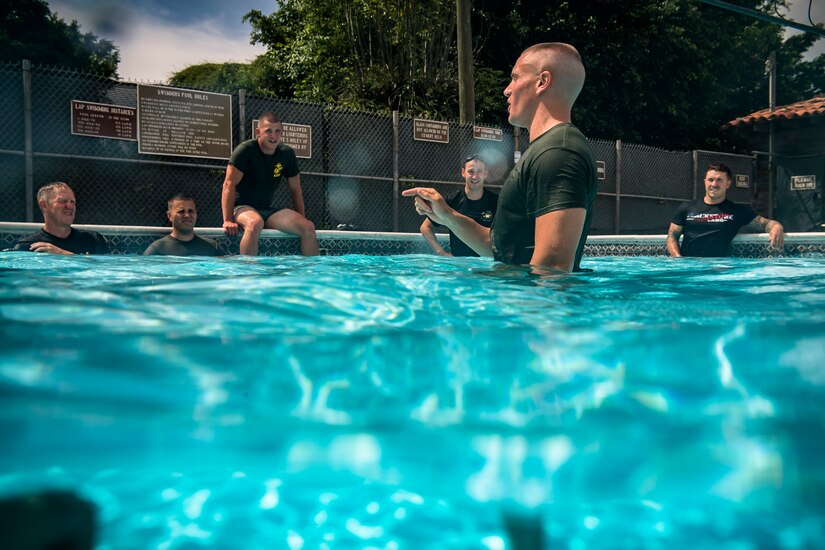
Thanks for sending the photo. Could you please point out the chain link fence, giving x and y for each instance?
(359, 163)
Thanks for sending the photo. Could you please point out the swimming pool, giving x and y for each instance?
(405, 401)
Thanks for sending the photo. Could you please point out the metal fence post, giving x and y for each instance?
(325, 149)
(396, 183)
(618, 213)
(241, 115)
(753, 188)
(771, 132)
(695, 174)
(27, 139)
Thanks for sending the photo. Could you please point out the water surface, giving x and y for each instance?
(404, 401)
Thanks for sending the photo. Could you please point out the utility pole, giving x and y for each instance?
(466, 82)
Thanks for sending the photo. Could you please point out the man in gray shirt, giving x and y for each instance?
(182, 241)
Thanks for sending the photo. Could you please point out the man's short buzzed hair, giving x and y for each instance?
(720, 167)
(570, 66)
(45, 192)
(475, 157)
(269, 117)
(178, 197)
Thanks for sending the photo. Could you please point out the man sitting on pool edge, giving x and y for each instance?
(710, 224)
(58, 205)
(183, 214)
(255, 170)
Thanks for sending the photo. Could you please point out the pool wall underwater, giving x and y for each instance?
(135, 239)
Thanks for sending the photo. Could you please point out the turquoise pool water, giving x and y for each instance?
(405, 402)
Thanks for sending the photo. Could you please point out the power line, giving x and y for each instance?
(765, 17)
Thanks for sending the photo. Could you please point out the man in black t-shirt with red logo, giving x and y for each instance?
(710, 224)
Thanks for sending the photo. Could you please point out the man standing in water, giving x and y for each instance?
(183, 214)
(711, 223)
(255, 170)
(546, 203)
(473, 201)
(58, 205)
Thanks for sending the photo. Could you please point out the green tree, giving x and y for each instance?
(221, 77)
(29, 30)
(662, 72)
(375, 54)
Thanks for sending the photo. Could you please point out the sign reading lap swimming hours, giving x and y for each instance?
(184, 123)
(490, 134)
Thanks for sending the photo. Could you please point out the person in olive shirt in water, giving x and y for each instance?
(474, 201)
(255, 170)
(546, 203)
(58, 205)
(183, 214)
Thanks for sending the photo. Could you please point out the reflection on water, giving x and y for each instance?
(361, 401)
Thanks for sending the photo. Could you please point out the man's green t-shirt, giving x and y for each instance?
(557, 172)
(262, 173)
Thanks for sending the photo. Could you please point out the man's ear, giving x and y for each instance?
(545, 79)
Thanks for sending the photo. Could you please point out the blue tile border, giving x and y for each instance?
(135, 239)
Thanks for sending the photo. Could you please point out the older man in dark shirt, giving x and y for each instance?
(57, 202)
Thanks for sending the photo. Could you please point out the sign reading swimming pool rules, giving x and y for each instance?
(184, 123)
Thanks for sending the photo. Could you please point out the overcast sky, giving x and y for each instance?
(159, 37)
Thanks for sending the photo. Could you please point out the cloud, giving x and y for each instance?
(155, 49)
(798, 12)
(157, 41)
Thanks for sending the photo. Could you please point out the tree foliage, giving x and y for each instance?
(221, 77)
(29, 30)
(377, 54)
(664, 72)
(661, 72)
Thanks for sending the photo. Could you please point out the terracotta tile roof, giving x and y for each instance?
(810, 107)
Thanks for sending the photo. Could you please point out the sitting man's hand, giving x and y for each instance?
(47, 248)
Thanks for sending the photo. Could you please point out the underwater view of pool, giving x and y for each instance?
(415, 401)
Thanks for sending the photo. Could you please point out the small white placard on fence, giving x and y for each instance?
(803, 183)
(743, 181)
(431, 130)
(600, 170)
(491, 134)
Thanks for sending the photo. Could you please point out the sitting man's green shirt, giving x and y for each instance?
(262, 173)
